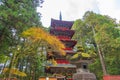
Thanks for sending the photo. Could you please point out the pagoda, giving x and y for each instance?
(62, 30)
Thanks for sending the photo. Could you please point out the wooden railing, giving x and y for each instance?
(111, 77)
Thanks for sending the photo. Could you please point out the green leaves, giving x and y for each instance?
(95, 29)
(3, 58)
(15, 17)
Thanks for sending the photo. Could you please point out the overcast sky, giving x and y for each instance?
(75, 9)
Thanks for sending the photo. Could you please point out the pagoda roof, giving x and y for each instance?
(59, 23)
(69, 43)
(63, 65)
(62, 32)
(70, 51)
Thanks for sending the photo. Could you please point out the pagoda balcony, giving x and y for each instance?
(68, 49)
(61, 28)
(62, 61)
(62, 32)
(63, 37)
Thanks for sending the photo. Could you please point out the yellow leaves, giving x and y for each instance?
(85, 55)
(34, 33)
(14, 71)
(56, 44)
(80, 48)
(53, 61)
(80, 55)
(75, 56)
(39, 35)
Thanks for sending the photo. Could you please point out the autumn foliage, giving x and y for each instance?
(14, 71)
(36, 34)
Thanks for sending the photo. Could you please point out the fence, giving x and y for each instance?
(111, 77)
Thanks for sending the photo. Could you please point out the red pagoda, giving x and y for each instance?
(62, 30)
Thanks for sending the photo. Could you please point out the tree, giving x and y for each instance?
(15, 17)
(100, 32)
(44, 38)
(35, 43)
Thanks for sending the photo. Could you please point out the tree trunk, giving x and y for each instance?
(4, 65)
(102, 61)
(100, 55)
(11, 65)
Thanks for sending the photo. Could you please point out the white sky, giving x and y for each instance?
(75, 9)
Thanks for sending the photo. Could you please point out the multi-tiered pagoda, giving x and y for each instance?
(62, 30)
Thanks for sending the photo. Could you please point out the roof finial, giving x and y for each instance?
(60, 16)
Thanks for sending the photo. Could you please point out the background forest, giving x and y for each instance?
(23, 41)
(100, 34)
